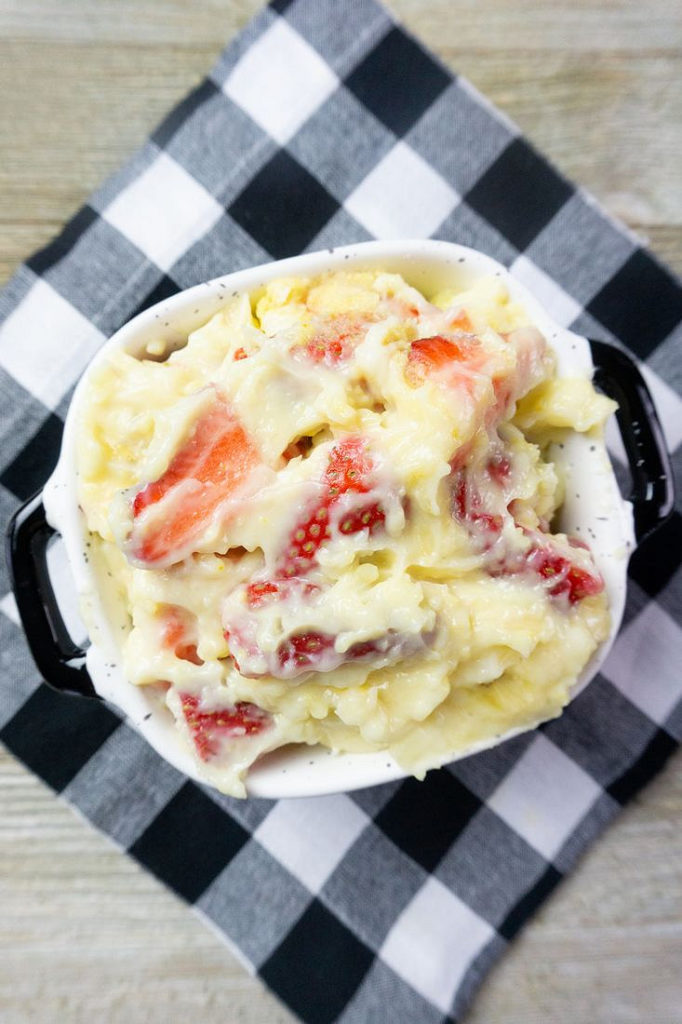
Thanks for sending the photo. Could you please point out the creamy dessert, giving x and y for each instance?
(328, 518)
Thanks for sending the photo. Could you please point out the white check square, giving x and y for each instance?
(402, 197)
(434, 941)
(544, 796)
(558, 303)
(310, 837)
(645, 663)
(45, 343)
(8, 607)
(280, 81)
(164, 212)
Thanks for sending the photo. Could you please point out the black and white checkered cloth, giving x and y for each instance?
(325, 123)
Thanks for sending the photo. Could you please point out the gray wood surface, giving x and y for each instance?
(84, 934)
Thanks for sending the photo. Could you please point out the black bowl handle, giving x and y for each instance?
(653, 493)
(60, 661)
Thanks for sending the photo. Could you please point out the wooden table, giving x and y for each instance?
(85, 935)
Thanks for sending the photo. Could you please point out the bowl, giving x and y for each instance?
(613, 524)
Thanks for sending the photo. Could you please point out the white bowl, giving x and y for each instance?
(599, 513)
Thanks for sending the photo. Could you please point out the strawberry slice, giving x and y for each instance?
(349, 471)
(572, 581)
(209, 728)
(467, 508)
(216, 460)
(333, 342)
(178, 635)
(313, 650)
(434, 354)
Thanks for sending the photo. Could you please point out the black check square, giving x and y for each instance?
(318, 967)
(283, 207)
(189, 843)
(28, 472)
(640, 304)
(398, 81)
(519, 194)
(648, 764)
(424, 818)
(164, 288)
(56, 735)
(657, 557)
(529, 902)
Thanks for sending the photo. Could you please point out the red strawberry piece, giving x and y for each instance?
(429, 355)
(467, 508)
(304, 650)
(572, 581)
(260, 593)
(177, 634)
(240, 353)
(498, 468)
(349, 471)
(461, 322)
(333, 342)
(217, 458)
(311, 651)
(208, 728)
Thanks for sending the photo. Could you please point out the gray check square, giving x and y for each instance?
(580, 248)
(603, 811)
(384, 998)
(482, 773)
(220, 146)
(471, 981)
(601, 731)
(465, 227)
(98, 270)
(23, 415)
(636, 600)
(371, 885)
(249, 813)
(372, 799)
(255, 902)
(8, 506)
(666, 359)
(341, 229)
(673, 724)
(588, 327)
(458, 137)
(107, 789)
(340, 44)
(341, 143)
(224, 249)
(473, 869)
(19, 674)
(16, 289)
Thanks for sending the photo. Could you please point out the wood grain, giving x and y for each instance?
(85, 935)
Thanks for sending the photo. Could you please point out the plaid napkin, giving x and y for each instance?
(326, 123)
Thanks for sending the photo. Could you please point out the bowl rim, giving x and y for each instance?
(303, 771)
